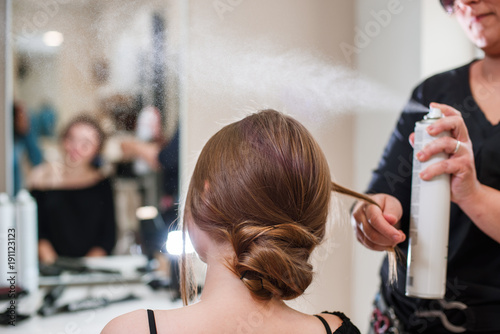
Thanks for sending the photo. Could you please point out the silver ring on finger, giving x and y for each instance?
(360, 226)
(457, 147)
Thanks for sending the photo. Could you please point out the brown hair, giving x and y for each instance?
(89, 120)
(263, 185)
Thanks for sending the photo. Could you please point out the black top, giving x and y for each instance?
(75, 220)
(169, 161)
(151, 322)
(473, 275)
(346, 328)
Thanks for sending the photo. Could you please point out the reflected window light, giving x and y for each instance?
(174, 243)
(53, 38)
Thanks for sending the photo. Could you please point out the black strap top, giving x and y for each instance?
(152, 322)
(346, 328)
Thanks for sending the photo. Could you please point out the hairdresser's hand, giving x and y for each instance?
(460, 165)
(377, 227)
(149, 152)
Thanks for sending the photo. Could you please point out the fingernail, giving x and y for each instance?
(430, 128)
(396, 237)
(420, 155)
(423, 175)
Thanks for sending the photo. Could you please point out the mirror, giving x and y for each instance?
(116, 61)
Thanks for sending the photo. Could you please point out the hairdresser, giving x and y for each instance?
(469, 97)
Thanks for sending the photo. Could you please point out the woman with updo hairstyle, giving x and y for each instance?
(76, 215)
(256, 207)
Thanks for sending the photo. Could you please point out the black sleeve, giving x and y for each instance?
(169, 154)
(169, 161)
(108, 221)
(394, 171)
(43, 224)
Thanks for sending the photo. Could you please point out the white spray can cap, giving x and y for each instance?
(23, 196)
(434, 113)
(4, 198)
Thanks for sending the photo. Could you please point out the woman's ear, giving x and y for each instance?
(199, 239)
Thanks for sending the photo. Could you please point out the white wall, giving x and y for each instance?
(444, 45)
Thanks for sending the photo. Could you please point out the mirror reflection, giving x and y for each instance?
(96, 123)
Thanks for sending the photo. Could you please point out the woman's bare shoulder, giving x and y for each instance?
(132, 322)
(137, 322)
(52, 175)
(42, 176)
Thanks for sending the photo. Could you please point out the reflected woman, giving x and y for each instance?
(256, 208)
(75, 201)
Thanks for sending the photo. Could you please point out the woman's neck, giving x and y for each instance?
(222, 286)
(490, 68)
(485, 87)
(78, 176)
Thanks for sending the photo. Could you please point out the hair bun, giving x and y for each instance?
(272, 261)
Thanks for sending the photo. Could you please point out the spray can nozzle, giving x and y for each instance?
(434, 113)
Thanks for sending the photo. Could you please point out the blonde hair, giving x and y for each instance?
(263, 185)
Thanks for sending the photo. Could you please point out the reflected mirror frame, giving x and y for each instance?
(6, 97)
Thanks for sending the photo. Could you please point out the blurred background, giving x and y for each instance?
(344, 68)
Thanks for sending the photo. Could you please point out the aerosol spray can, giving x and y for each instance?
(27, 241)
(429, 221)
(7, 241)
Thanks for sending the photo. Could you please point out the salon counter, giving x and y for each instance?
(109, 286)
(93, 321)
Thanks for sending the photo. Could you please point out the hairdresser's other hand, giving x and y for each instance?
(96, 252)
(377, 227)
(460, 165)
(46, 252)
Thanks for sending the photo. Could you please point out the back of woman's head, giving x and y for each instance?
(263, 185)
